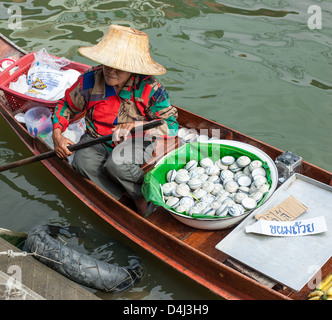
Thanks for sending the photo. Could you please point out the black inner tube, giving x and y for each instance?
(80, 267)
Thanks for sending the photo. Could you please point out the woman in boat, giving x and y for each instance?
(115, 97)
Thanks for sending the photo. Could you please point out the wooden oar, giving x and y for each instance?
(49, 154)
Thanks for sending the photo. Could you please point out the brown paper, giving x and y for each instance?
(287, 210)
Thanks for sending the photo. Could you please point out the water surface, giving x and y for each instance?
(254, 66)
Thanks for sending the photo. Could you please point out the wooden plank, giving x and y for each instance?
(16, 291)
(163, 219)
(251, 273)
(206, 240)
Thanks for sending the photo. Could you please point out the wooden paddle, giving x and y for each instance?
(49, 154)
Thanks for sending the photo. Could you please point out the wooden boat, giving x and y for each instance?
(191, 251)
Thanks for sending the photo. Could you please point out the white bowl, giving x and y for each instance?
(226, 222)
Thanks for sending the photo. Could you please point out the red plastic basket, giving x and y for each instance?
(20, 102)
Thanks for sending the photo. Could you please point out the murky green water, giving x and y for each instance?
(254, 66)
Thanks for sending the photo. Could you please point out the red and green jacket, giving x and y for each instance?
(142, 98)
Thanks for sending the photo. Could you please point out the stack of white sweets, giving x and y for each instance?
(226, 187)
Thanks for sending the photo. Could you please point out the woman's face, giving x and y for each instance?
(115, 77)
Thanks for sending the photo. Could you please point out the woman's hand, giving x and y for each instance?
(60, 144)
(122, 130)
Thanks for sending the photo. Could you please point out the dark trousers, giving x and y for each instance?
(117, 171)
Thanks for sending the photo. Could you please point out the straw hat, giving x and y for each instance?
(125, 49)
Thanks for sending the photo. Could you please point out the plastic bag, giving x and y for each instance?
(73, 132)
(20, 85)
(45, 78)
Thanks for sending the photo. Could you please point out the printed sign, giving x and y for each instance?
(289, 228)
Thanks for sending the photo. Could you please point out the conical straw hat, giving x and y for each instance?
(125, 49)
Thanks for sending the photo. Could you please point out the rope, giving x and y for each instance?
(12, 254)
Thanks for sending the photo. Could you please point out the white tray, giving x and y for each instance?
(291, 261)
